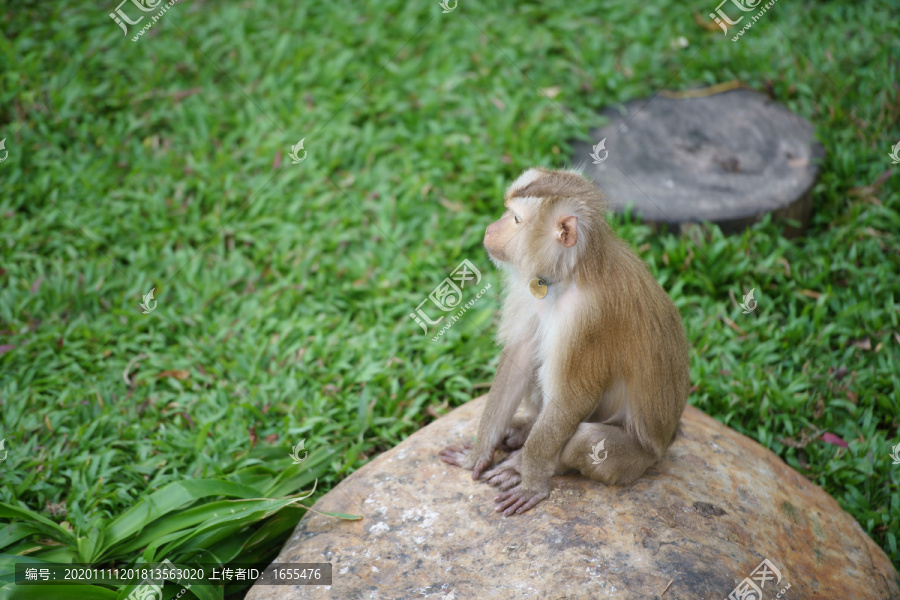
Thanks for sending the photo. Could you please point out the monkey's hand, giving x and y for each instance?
(474, 460)
(519, 499)
(506, 474)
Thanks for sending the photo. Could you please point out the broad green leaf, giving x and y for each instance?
(90, 545)
(296, 477)
(245, 513)
(14, 532)
(282, 521)
(37, 520)
(174, 522)
(169, 498)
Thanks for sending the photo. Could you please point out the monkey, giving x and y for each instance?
(593, 348)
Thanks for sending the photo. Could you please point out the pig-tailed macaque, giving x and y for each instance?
(591, 342)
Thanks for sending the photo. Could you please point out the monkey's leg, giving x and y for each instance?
(622, 460)
(514, 376)
(522, 423)
(556, 424)
(505, 474)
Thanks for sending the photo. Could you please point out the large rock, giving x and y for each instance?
(693, 527)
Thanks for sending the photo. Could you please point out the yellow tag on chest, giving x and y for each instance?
(538, 287)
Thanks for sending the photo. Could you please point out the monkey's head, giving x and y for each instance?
(552, 219)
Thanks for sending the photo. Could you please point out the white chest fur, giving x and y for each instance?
(557, 315)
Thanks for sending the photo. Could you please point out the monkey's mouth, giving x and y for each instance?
(497, 255)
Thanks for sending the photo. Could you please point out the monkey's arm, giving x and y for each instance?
(515, 375)
(555, 425)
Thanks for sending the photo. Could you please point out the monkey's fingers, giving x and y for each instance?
(508, 502)
(453, 455)
(504, 481)
(504, 478)
(511, 482)
(518, 500)
(480, 466)
(527, 506)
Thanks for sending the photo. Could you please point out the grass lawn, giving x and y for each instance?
(284, 290)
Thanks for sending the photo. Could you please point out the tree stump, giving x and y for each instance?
(727, 158)
(719, 512)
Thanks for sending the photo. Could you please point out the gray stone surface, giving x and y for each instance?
(728, 158)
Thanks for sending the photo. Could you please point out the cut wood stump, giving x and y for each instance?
(727, 158)
(720, 512)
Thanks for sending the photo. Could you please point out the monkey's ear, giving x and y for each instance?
(566, 230)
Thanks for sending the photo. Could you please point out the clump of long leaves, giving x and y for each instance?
(242, 517)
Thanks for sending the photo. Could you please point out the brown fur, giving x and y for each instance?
(602, 357)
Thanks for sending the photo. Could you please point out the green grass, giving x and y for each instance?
(284, 290)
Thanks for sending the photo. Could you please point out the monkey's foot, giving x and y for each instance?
(461, 456)
(517, 433)
(515, 438)
(456, 455)
(506, 474)
(518, 500)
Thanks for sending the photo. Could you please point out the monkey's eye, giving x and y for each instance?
(517, 219)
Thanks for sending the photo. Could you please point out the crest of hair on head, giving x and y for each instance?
(577, 169)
